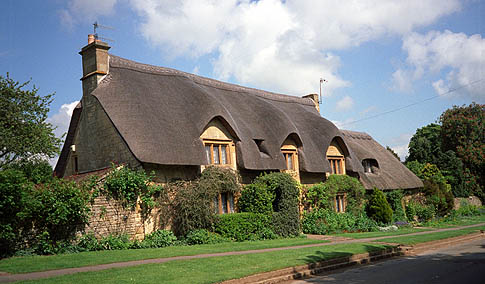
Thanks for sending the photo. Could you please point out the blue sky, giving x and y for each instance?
(376, 55)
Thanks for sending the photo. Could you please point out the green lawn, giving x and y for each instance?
(412, 240)
(42, 263)
(215, 269)
(461, 221)
(364, 235)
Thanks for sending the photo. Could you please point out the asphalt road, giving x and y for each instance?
(463, 264)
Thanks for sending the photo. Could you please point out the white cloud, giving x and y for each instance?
(461, 56)
(345, 103)
(84, 11)
(61, 120)
(283, 46)
(400, 145)
(370, 109)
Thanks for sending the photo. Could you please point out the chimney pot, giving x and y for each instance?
(314, 98)
(91, 38)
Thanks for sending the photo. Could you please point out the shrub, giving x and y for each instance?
(422, 212)
(88, 242)
(285, 219)
(115, 242)
(193, 205)
(53, 212)
(439, 195)
(202, 236)
(378, 208)
(256, 198)
(13, 185)
(394, 197)
(159, 239)
(325, 221)
(468, 210)
(323, 195)
(245, 226)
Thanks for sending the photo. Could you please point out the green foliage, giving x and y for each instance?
(52, 213)
(256, 198)
(415, 167)
(126, 186)
(159, 239)
(218, 180)
(326, 221)
(462, 132)
(115, 242)
(393, 153)
(431, 172)
(468, 210)
(202, 236)
(438, 194)
(286, 219)
(193, 205)
(13, 185)
(23, 127)
(422, 212)
(394, 197)
(323, 195)
(35, 170)
(378, 208)
(245, 226)
(425, 145)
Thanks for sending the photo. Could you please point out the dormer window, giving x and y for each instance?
(336, 157)
(290, 158)
(370, 165)
(217, 153)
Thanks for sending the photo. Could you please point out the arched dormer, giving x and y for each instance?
(336, 153)
(219, 143)
(370, 166)
(289, 149)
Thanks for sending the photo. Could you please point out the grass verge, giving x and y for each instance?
(412, 240)
(401, 231)
(43, 263)
(215, 269)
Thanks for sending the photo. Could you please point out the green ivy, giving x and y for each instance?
(126, 186)
(322, 195)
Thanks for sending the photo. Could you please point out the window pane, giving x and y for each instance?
(224, 202)
(231, 203)
(223, 154)
(208, 153)
(338, 162)
(290, 161)
(216, 154)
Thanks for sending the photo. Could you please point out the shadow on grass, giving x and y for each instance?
(328, 255)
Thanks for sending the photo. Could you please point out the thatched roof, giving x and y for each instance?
(391, 173)
(161, 113)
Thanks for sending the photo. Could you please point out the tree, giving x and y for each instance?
(24, 132)
(463, 132)
(425, 145)
(393, 153)
(378, 208)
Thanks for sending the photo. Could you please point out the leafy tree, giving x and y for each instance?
(425, 145)
(35, 170)
(463, 132)
(23, 127)
(393, 153)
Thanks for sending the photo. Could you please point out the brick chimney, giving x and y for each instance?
(314, 98)
(95, 63)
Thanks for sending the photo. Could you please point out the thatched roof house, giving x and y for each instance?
(176, 123)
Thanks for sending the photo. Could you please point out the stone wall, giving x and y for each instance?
(471, 200)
